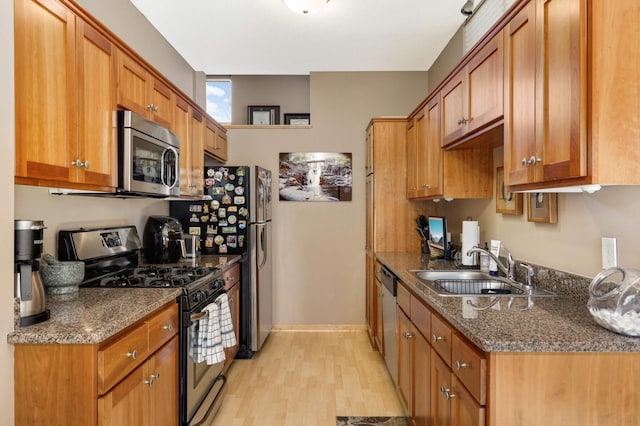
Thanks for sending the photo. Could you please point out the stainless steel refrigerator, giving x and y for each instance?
(235, 218)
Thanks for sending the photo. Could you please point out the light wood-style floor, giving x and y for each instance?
(307, 378)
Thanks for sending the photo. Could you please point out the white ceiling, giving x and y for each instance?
(233, 37)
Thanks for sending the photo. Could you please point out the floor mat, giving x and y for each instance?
(372, 421)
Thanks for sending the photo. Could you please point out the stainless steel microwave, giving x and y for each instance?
(148, 157)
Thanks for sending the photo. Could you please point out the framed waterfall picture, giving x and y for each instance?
(315, 176)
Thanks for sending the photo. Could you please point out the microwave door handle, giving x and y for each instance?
(163, 165)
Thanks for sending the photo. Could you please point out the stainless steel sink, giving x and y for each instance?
(473, 283)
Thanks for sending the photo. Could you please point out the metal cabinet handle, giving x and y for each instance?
(461, 365)
(152, 107)
(407, 335)
(448, 395)
(533, 160)
(168, 327)
(133, 354)
(155, 376)
(435, 338)
(414, 188)
(77, 162)
(524, 161)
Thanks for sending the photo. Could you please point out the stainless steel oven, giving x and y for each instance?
(148, 157)
(204, 383)
(111, 260)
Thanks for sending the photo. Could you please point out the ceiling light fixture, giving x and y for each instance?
(467, 9)
(305, 7)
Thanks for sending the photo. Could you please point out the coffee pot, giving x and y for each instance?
(28, 237)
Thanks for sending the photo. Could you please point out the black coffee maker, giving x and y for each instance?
(28, 287)
(162, 240)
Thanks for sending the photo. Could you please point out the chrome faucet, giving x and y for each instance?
(508, 269)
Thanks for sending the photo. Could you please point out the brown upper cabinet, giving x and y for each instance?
(472, 99)
(71, 75)
(139, 91)
(64, 99)
(571, 94)
(215, 140)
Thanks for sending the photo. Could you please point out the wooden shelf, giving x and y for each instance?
(278, 126)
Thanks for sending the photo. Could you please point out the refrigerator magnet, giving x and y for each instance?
(240, 180)
(240, 171)
(218, 190)
(232, 177)
(232, 219)
(204, 218)
(238, 200)
(195, 208)
(219, 239)
(209, 182)
(215, 204)
(222, 249)
(208, 242)
(242, 224)
(232, 209)
(194, 230)
(218, 175)
(213, 218)
(226, 199)
(222, 212)
(194, 218)
(210, 172)
(243, 211)
(211, 229)
(239, 190)
(205, 208)
(223, 223)
(229, 187)
(240, 241)
(232, 242)
(229, 230)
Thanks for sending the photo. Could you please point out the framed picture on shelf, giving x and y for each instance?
(297, 119)
(506, 202)
(542, 207)
(264, 115)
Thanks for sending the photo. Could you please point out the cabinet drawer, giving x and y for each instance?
(471, 368)
(441, 338)
(120, 357)
(231, 276)
(421, 317)
(163, 326)
(404, 299)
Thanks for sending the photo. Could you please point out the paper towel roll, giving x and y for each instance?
(470, 238)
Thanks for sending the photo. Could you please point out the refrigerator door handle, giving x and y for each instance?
(263, 244)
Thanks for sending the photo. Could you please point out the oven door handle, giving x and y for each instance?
(199, 316)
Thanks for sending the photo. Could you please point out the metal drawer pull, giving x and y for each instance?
(168, 327)
(449, 395)
(407, 335)
(133, 354)
(155, 376)
(460, 365)
(435, 338)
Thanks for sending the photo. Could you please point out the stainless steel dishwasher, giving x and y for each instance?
(389, 286)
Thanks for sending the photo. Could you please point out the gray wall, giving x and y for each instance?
(290, 92)
(446, 61)
(319, 246)
(7, 168)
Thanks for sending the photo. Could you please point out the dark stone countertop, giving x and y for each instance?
(92, 315)
(553, 324)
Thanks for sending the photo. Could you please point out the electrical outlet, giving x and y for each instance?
(609, 253)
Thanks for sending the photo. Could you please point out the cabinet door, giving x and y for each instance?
(561, 89)
(162, 100)
(197, 151)
(45, 87)
(519, 114)
(368, 164)
(434, 150)
(162, 367)
(422, 155)
(406, 334)
(421, 377)
(454, 101)
(465, 411)
(210, 137)
(133, 85)
(485, 85)
(125, 404)
(97, 140)
(234, 305)
(370, 300)
(440, 388)
(181, 126)
(221, 145)
(412, 160)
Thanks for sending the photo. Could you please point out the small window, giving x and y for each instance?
(219, 99)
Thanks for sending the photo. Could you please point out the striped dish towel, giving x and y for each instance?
(226, 322)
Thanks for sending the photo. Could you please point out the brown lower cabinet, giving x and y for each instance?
(130, 379)
(444, 379)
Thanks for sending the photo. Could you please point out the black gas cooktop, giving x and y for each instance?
(150, 276)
